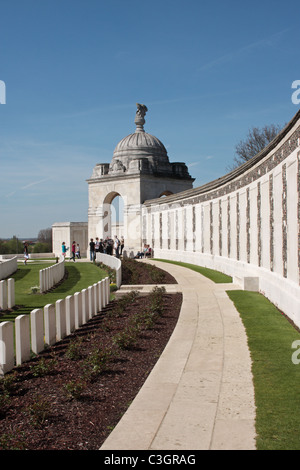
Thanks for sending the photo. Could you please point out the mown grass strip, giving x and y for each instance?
(276, 377)
(213, 275)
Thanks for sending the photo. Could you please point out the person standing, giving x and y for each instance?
(77, 251)
(73, 251)
(117, 246)
(121, 245)
(64, 249)
(26, 255)
(97, 246)
(92, 250)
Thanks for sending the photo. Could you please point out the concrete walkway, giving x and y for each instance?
(199, 395)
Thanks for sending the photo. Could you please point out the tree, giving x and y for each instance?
(12, 246)
(45, 239)
(41, 247)
(257, 140)
(4, 249)
(45, 235)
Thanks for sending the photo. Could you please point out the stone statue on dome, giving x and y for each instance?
(141, 110)
(139, 117)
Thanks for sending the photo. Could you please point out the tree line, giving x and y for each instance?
(16, 246)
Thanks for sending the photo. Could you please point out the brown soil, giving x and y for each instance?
(138, 272)
(36, 412)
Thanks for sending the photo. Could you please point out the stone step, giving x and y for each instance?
(147, 288)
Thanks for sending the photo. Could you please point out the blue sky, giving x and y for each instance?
(74, 71)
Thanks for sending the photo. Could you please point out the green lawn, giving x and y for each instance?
(215, 276)
(80, 276)
(276, 377)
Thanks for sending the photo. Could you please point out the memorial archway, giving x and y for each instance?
(113, 215)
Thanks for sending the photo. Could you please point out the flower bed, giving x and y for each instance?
(71, 395)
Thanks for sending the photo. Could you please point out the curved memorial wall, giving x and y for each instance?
(245, 224)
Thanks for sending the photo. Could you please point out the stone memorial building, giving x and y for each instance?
(140, 170)
(245, 224)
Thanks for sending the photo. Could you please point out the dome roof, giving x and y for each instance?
(142, 144)
(141, 153)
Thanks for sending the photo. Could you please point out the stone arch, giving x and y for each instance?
(113, 214)
(108, 199)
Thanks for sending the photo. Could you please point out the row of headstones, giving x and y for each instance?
(52, 275)
(49, 325)
(7, 293)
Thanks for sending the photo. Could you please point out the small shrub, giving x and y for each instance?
(12, 441)
(116, 310)
(4, 403)
(113, 287)
(74, 389)
(43, 367)
(158, 292)
(121, 304)
(7, 387)
(156, 275)
(98, 361)
(8, 384)
(127, 338)
(156, 300)
(148, 318)
(74, 351)
(39, 411)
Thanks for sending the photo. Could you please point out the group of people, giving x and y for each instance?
(75, 251)
(146, 253)
(108, 246)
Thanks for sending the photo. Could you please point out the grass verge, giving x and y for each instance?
(213, 275)
(276, 377)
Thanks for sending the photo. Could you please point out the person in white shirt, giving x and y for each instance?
(117, 246)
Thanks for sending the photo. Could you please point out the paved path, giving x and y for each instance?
(199, 395)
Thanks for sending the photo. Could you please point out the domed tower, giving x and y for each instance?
(139, 170)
